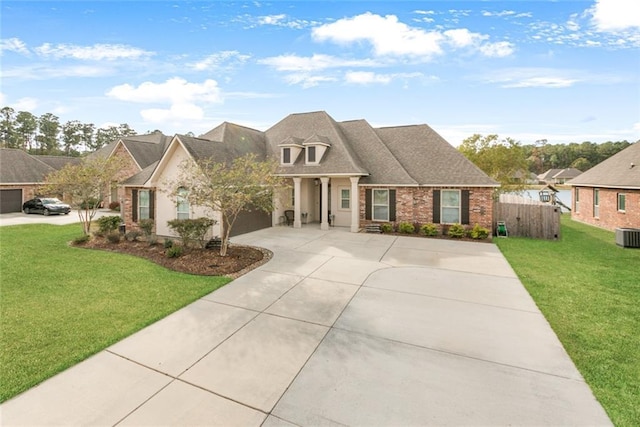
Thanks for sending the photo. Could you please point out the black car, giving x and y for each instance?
(45, 206)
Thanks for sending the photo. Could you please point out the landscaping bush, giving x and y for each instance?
(107, 224)
(114, 206)
(168, 243)
(152, 240)
(90, 203)
(386, 228)
(478, 232)
(173, 252)
(429, 230)
(113, 237)
(80, 240)
(192, 231)
(456, 231)
(133, 235)
(146, 225)
(406, 228)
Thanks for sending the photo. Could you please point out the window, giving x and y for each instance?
(286, 156)
(183, 204)
(345, 199)
(143, 204)
(380, 205)
(311, 154)
(292, 196)
(450, 205)
(596, 202)
(622, 201)
(577, 203)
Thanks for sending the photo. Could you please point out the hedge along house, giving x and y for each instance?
(345, 174)
(608, 194)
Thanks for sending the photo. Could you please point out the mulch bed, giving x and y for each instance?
(204, 262)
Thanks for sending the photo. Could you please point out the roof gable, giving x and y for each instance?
(18, 167)
(622, 170)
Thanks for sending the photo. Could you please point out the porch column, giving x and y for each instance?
(355, 204)
(296, 198)
(324, 215)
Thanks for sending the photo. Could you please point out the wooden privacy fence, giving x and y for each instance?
(527, 217)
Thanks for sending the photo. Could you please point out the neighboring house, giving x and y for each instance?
(347, 173)
(22, 173)
(558, 176)
(608, 194)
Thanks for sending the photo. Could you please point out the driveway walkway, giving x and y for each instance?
(337, 329)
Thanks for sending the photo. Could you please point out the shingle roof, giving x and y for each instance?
(18, 167)
(622, 170)
(234, 141)
(57, 162)
(145, 149)
(340, 158)
(430, 159)
(567, 173)
(141, 177)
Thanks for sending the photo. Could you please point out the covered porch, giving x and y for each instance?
(324, 200)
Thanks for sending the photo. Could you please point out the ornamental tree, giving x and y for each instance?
(244, 184)
(85, 184)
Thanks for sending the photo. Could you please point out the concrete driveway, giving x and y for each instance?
(19, 218)
(337, 329)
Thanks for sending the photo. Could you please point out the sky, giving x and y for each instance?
(563, 71)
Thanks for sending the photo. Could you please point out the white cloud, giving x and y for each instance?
(307, 80)
(386, 34)
(613, 15)
(182, 111)
(14, 45)
(25, 104)
(313, 63)
(97, 52)
(389, 37)
(551, 82)
(175, 90)
(43, 72)
(219, 60)
(367, 77)
(535, 77)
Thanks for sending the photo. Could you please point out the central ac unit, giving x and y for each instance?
(628, 237)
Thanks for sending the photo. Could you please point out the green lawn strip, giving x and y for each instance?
(588, 288)
(61, 304)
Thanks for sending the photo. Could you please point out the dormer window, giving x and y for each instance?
(315, 147)
(290, 149)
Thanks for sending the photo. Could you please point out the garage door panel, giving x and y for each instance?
(248, 221)
(10, 201)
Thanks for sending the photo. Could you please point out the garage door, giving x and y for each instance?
(251, 221)
(10, 201)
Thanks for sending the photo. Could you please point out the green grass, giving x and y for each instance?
(589, 290)
(60, 304)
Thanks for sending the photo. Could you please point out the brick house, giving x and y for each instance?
(608, 195)
(21, 174)
(344, 174)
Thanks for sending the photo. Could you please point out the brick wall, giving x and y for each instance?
(29, 191)
(415, 205)
(129, 169)
(609, 217)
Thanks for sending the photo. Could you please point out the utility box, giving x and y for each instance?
(628, 237)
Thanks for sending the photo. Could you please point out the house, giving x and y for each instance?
(343, 174)
(608, 194)
(22, 173)
(558, 176)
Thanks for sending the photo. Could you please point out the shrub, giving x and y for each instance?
(479, 233)
(456, 231)
(429, 229)
(406, 228)
(386, 228)
(146, 225)
(113, 237)
(133, 235)
(153, 240)
(192, 230)
(80, 240)
(173, 252)
(90, 203)
(168, 243)
(114, 206)
(107, 224)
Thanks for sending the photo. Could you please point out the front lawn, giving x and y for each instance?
(61, 304)
(589, 290)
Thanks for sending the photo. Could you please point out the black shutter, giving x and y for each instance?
(436, 206)
(134, 205)
(392, 205)
(151, 204)
(464, 207)
(367, 204)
